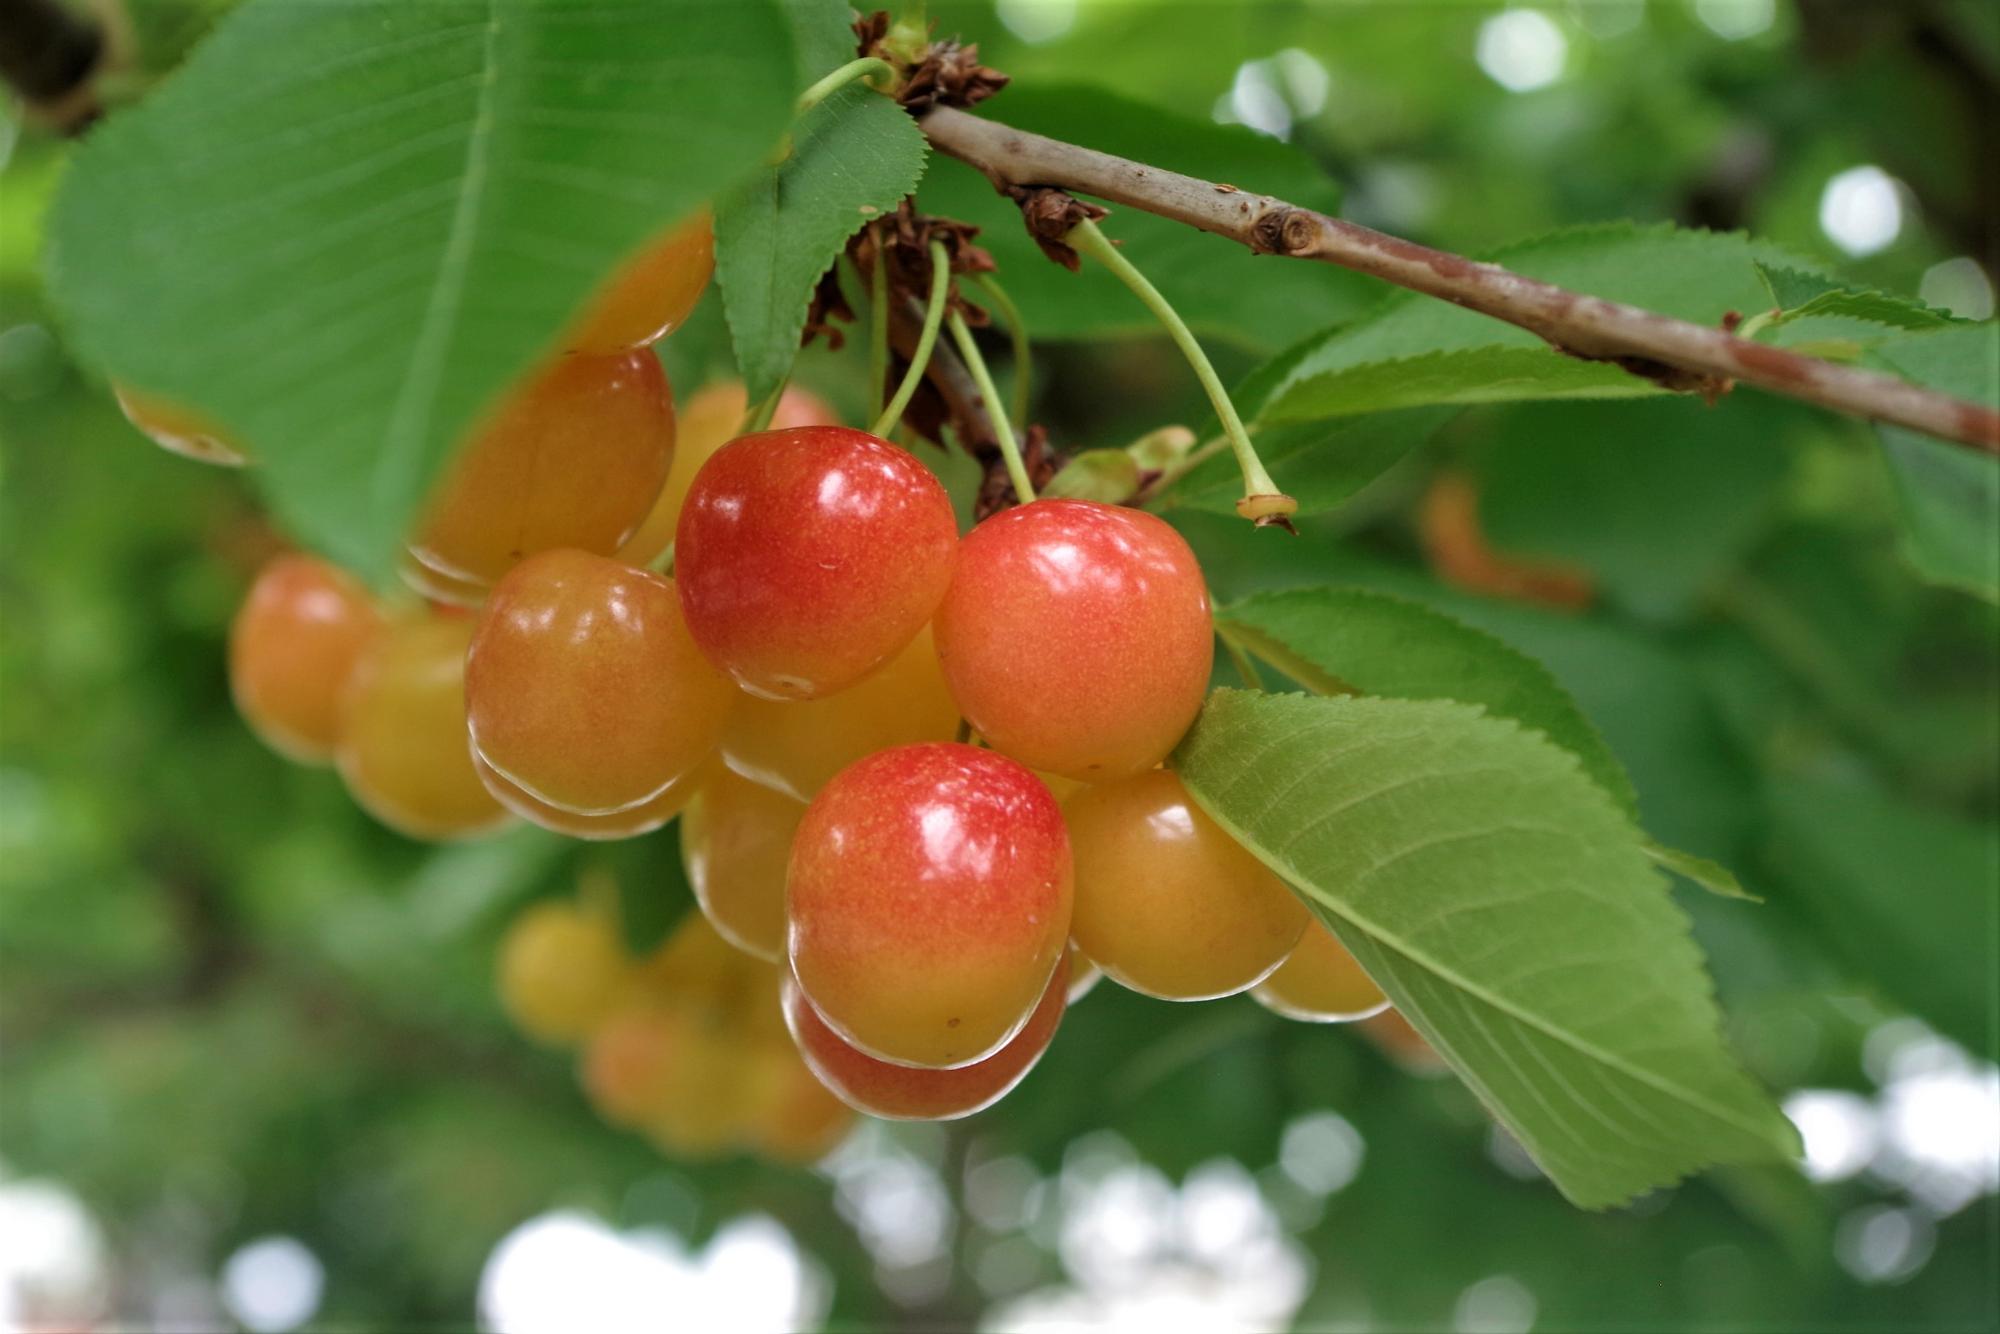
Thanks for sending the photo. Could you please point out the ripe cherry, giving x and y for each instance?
(182, 430)
(1320, 982)
(1167, 903)
(628, 823)
(648, 296)
(793, 1117)
(669, 1072)
(573, 458)
(292, 648)
(807, 558)
(583, 687)
(797, 746)
(1076, 637)
(562, 972)
(437, 587)
(736, 838)
(403, 751)
(910, 1093)
(929, 901)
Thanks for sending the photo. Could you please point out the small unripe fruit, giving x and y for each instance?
(562, 972)
(181, 430)
(292, 648)
(1320, 982)
(649, 296)
(736, 839)
(1167, 903)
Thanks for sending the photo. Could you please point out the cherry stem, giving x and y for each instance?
(840, 78)
(1003, 430)
(1262, 500)
(933, 317)
(878, 329)
(1017, 330)
(664, 562)
(1240, 660)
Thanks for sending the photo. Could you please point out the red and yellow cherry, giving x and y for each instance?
(441, 590)
(182, 430)
(1083, 976)
(736, 838)
(1320, 982)
(929, 900)
(1076, 637)
(1167, 903)
(661, 1069)
(911, 1093)
(705, 423)
(808, 558)
(797, 746)
(573, 458)
(403, 751)
(292, 648)
(628, 823)
(648, 296)
(583, 687)
(562, 972)
(793, 1117)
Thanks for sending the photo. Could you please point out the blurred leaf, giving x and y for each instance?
(1950, 494)
(1712, 876)
(342, 229)
(1320, 464)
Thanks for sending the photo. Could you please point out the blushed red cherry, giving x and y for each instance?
(583, 687)
(807, 558)
(1076, 637)
(292, 647)
(929, 901)
(912, 1093)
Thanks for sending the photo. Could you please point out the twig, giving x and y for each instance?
(1675, 353)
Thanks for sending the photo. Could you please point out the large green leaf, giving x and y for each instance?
(1218, 287)
(1505, 904)
(342, 229)
(1950, 495)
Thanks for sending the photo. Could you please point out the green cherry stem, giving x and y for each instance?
(878, 330)
(1017, 330)
(933, 317)
(1246, 670)
(840, 78)
(759, 417)
(1010, 449)
(664, 562)
(1262, 501)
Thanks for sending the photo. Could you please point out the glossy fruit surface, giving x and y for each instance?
(292, 648)
(929, 901)
(1167, 903)
(562, 972)
(706, 421)
(629, 823)
(909, 1093)
(736, 838)
(649, 295)
(797, 746)
(182, 430)
(808, 558)
(437, 587)
(573, 458)
(1076, 637)
(1320, 982)
(403, 750)
(583, 687)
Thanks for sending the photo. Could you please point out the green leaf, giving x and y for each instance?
(1504, 903)
(1710, 875)
(1823, 302)
(1416, 350)
(1219, 288)
(1790, 288)
(343, 229)
(1337, 640)
(853, 157)
(1950, 495)
(1320, 464)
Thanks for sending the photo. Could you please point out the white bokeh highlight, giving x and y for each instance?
(1521, 50)
(1861, 210)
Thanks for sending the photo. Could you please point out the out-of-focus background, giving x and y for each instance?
(252, 1071)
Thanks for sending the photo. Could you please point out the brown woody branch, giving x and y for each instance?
(1675, 353)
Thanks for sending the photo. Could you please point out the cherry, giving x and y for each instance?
(807, 558)
(1398, 1039)
(1083, 976)
(1076, 637)
(583, 687)
(182, 430)
(796, 746)
(664, 1070)
(909, 1093)
(929, 900)
(572, 458)
(562, 972)
(292, 648)
(793, 1117)
(706, 422)
(437, 587)
(648, 296)
(1167, 903)
(1320, 982)
(629, 823)
(736, 837)
(403, 751)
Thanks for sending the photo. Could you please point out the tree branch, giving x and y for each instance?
(1675, 353)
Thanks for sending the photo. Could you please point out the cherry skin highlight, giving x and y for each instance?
(1320, 983)
(929, 901)
(797, 746)
(909, 1093)
(1076, 637)
(1167, 903)
(648, 296)
(736, 838)
(292, 647)
(403, 751)
(808, 558)
(583, 687)
(180, 430)
(573, 458)
(561, 972)
(648, 815)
